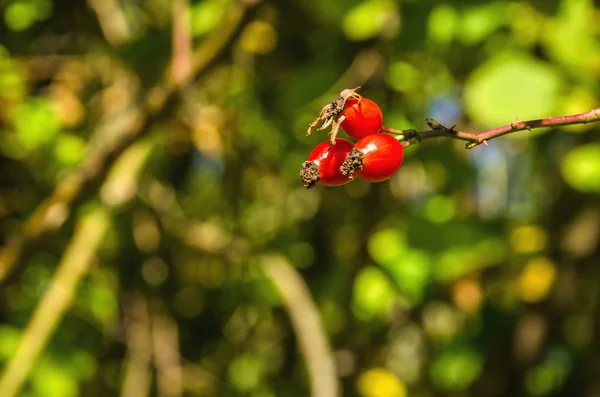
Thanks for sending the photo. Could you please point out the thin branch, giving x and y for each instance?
(181, 60)
(112, 21)
(165, 345)
(307, 326)
(410, 137)
(137, 377)
(56, 300)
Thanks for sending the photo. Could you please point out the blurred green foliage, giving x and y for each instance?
(469, 273)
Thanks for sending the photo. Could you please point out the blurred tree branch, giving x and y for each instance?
(167, 361)
(306, 322)
(410, 137)
(58, 297)
(112, 21)
(55, 209)
(181, 61)
(137, 378)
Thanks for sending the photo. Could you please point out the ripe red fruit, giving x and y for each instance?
(363, 117)
(324, 162)
(374, 158)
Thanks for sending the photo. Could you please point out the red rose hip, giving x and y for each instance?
(374, 158)
(324, 164)
(362, 117)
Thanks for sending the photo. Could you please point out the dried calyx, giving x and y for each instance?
(309, 174)
(331, 114)
(354, 162)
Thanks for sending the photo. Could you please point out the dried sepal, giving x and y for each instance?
(331, 114)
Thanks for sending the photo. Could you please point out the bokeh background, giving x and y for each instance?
(155, 239)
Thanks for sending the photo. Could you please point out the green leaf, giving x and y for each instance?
(581, 168)
(504, 89)
(373, 294)
(440, 209)
(442, 23)
(457, 261)
(51, 379)
(387, 246)
(370, 19)
(479, 22)
(403, 76)
(206, 15)
(69, 149)
(411, 272)
(570, 37)
(456, 369)
(20, 15)
(245, 372)
(36, 123)
(9, 337)
(12, 83)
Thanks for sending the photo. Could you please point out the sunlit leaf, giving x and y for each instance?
(53, 380)
(206, 15)
(245, 372)
(403, 76)
(528, 239)
(440, 209)
(372, 295)
(581, 168)
(258, 37)
(69, 149)
(370, 19)
(20, 15)
(411, 272)
(535, 281)
(506, 88)
(36, 122)
(478, 22)
(12, 83)
(442, 23)
(380, 382)
(386, 246)
(457, 369)
(9, 337)
(457, 261)
(570, 36)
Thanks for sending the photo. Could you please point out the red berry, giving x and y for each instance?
(374, 158)
(363, 117)
(324, 162)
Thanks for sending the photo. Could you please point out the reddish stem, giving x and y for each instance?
(410, 137)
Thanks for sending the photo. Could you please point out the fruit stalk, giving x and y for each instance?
(410, 137)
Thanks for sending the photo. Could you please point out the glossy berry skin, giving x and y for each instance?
(374, 158)
(363, 117)
(324, 162)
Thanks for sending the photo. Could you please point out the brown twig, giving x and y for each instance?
(410, 137)
(137, 376)
(181, 60)
(165, 345)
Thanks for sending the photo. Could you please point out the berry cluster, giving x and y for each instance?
(375, 157)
